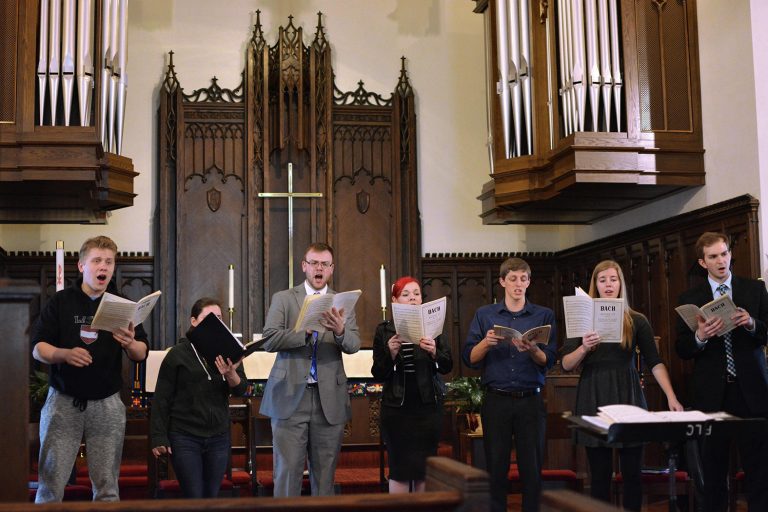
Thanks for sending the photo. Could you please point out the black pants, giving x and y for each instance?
(524, 419)
(715, 456)
(601, 470)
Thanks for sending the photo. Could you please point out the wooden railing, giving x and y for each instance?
(451, 486)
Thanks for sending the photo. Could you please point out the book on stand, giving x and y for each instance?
(117, 312)
(212, 338)
(416, 321)
(585, 314)
(314, 306)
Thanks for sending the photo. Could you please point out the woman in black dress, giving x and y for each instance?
(412, 402)
(608, 376)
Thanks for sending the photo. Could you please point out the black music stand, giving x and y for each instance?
(672, 434)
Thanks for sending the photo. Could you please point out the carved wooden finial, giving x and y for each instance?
(320, 41)
(403, 85)
(170, 83)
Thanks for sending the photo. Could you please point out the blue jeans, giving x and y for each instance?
(199, 463)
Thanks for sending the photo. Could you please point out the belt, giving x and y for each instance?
(311, 384)
(730, 379)
(513, 394)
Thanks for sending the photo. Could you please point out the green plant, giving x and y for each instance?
(465, 393)
(38, 387)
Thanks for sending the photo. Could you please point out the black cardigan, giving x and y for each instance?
(391, 373)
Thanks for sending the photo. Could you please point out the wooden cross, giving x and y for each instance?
(290, 195)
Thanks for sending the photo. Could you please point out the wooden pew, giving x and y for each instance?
(451, 487)
(565, 500)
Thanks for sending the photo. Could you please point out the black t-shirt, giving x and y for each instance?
(65, 322)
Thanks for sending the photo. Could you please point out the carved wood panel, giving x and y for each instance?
(220, 149)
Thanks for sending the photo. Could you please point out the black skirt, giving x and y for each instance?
(411, 435)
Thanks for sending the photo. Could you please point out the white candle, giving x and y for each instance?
(59, 265)
(383, 280)
(231, 287)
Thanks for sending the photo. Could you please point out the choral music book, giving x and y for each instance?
(585, 314)
(211, 338)
(538, 334)
(117, 312)
(722, 307)
(314, 306)
(416, 321)
(607, 415)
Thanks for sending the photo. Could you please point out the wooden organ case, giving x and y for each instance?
(593, 106)
(62, 104)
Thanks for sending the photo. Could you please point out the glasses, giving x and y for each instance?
(316, 264)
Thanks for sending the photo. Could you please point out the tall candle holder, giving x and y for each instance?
(231, 319)
(383, 290)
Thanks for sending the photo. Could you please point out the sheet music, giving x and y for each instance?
(416, 321)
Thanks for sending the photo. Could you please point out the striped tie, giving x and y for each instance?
(730, 366)
(313, 366)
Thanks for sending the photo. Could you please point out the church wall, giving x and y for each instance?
(442, 40)
(759, 18)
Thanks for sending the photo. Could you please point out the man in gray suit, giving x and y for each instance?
(306, 393)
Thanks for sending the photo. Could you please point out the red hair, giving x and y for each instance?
(397, 288)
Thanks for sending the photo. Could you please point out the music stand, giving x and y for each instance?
(673, 434)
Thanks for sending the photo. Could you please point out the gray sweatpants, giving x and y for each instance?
(62, 427)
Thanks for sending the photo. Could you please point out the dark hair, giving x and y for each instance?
(397, 288)
(198, 307)
(710, 238)
(319, 247)
(203, 303)
(511, 264)
(97, 242)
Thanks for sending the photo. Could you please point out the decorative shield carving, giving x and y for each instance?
(214, 199)
(363, 201)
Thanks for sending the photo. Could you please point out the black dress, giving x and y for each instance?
(412, 402)
(608, 375)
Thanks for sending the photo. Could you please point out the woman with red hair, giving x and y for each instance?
(412, 401)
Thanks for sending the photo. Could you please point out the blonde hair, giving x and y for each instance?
(626, 336)
(97, 242)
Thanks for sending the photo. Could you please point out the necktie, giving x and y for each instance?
(313, 366)
(730, 367)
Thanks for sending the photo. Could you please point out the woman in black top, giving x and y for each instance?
(190, 411)
(412, 402)
(608, 376)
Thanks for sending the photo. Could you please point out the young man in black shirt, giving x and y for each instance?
(85, 379)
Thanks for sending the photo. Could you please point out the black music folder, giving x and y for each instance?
(213, 338)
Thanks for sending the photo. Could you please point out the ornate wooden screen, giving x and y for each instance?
(220, 149)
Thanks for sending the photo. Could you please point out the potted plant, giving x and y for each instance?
(466, 395)
(38, 392)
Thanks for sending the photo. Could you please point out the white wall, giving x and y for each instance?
(443, 43)
(759, 16)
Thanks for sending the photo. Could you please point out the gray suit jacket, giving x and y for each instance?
(288, 379)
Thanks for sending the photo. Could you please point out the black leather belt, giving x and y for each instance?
(311, 384)
(513, 394)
